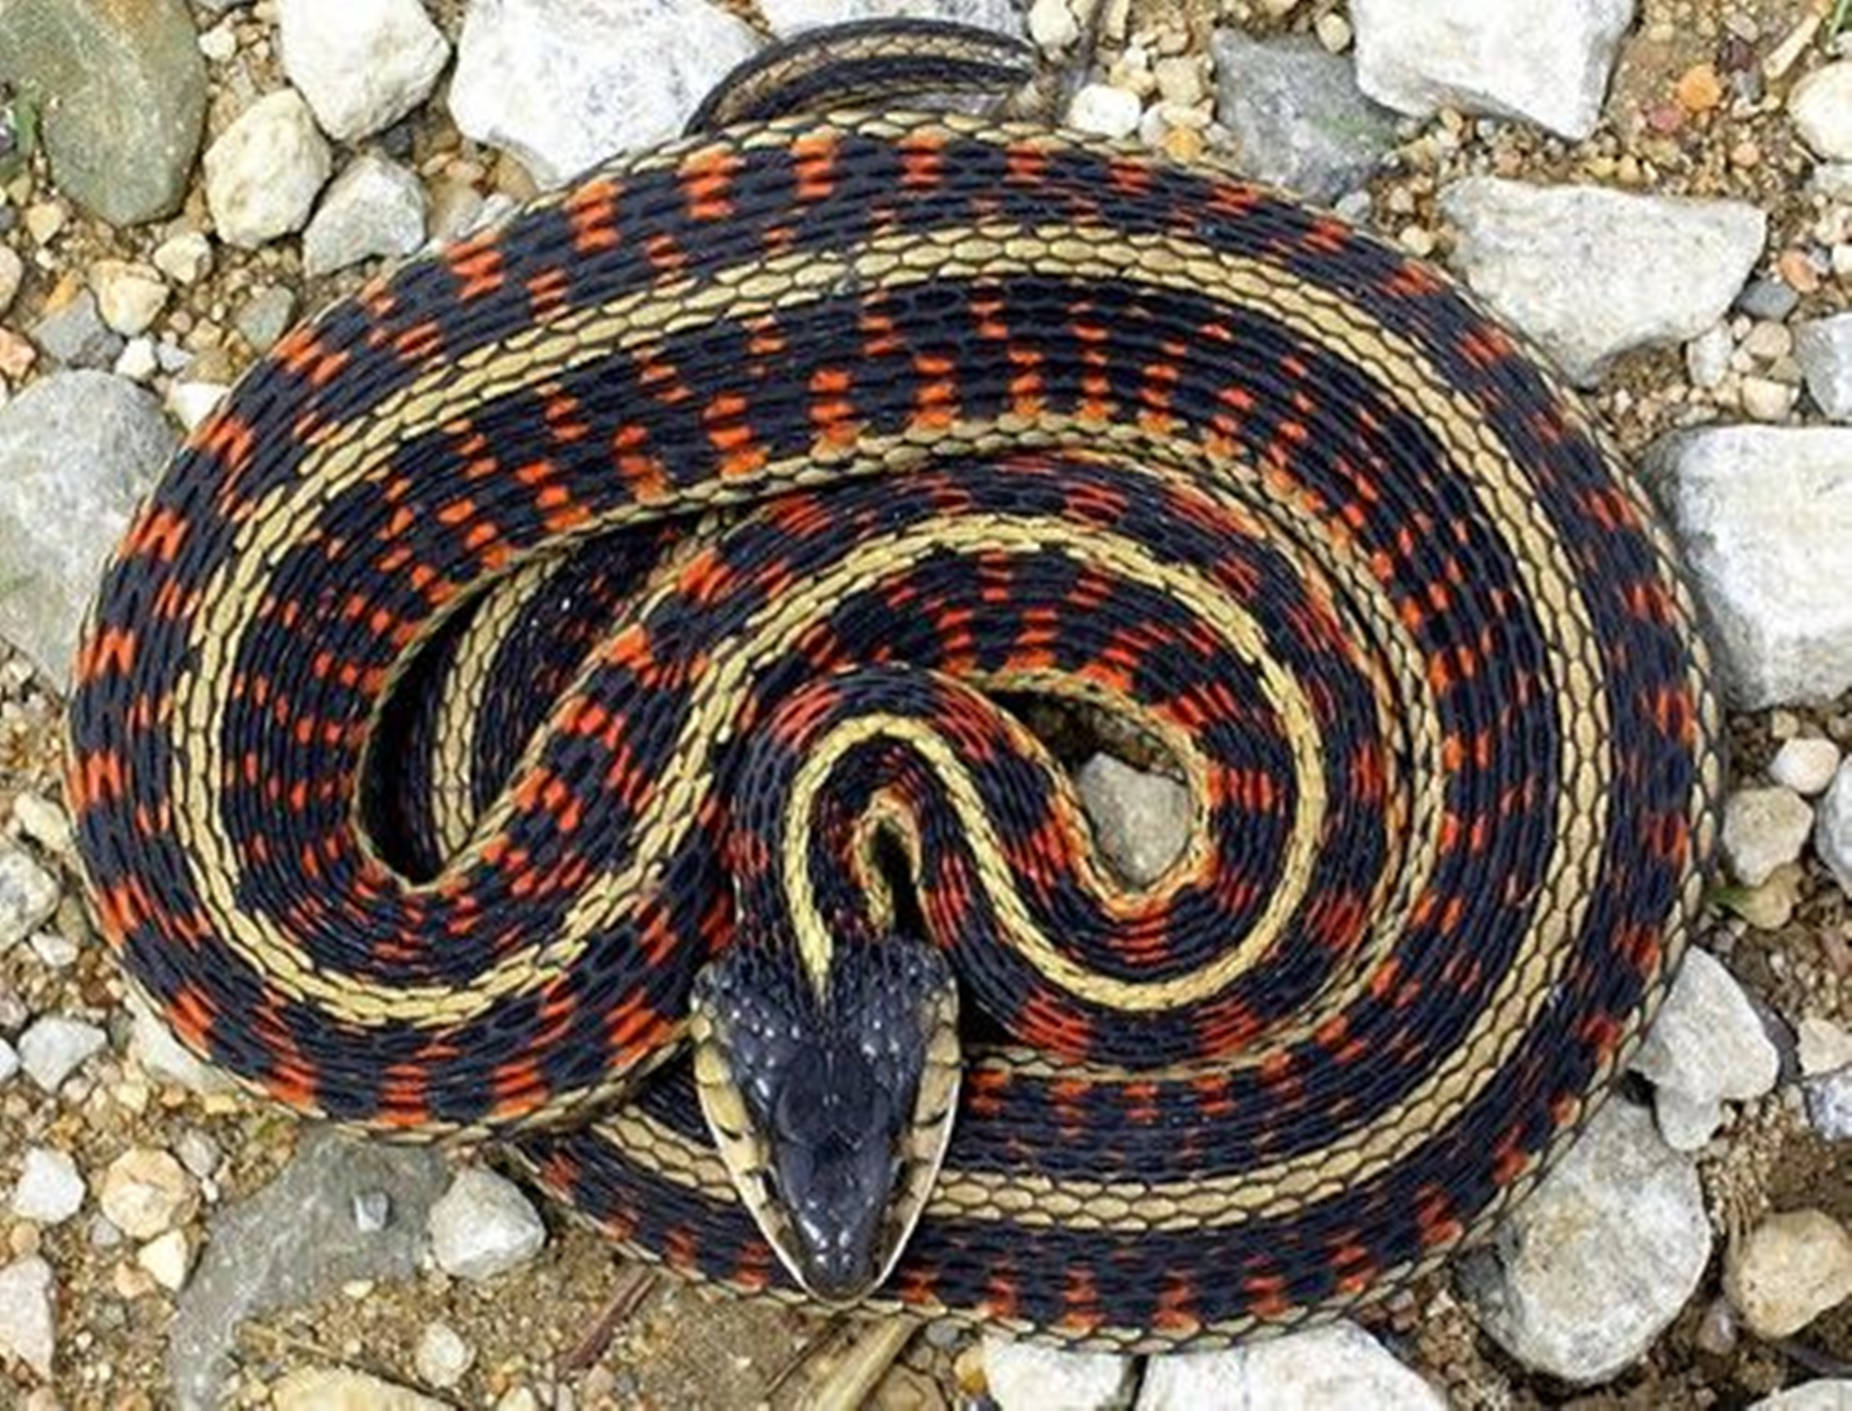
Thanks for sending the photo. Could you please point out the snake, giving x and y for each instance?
(590, 689)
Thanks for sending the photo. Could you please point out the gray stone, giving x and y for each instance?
(263, 172)
(1792, 1267)
(124, 94)
(1590, 273)
(1764, 829)
(1707, 1045)
(162, 1057)
(1768, 298)
(77, 449)
(1822, 1395)
(293, 1242)
(55, 1047)
(1296, 115)
(49, 1190)
(1707, 357)
(28, 1328)
(74, 333)
(1025, 1376)
(442, 1356)
(1584, 1275)
(266, 316)
(1823, 348)
(1546, 64)
(1829, 1104)
(1805, 764)
(484, 1226)
(28, 896)
(1765, 518)
(1142, 820)
(362, 64)
(1832, 834)
(788, 17)
(374, 207)
(1821, 106)
(564, 84)
(1333, 1367)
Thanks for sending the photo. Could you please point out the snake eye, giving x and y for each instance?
(831, 1110)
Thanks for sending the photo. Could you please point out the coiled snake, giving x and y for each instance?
(636, 602)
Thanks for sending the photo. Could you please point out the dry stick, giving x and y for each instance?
(863, 1366)
(810, 1348)
(633, 1286)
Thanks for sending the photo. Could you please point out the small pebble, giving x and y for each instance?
(1788, 1270)
(50, 1189)
(443, 1356)
(1102, 109)
(146, 1192)
(1805, 764)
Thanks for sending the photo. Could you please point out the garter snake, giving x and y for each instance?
(627, 603)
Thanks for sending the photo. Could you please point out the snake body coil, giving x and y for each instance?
(856, 424)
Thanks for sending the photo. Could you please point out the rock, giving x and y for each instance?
(1767, 299)
(263, 172)
(1764, 829)
(1788, 1270)
(185, 258)
(372, 1211)
(12, 271)
(1707, 1044)
(1805, 764)
(1822, 1046)
(1707, 357)
(1590, 273)
(1832, 834)
(1026, 1376)
(145, 1192)
(564, 84)
(1052, 25)
(123, 92)
(1335, 1366)
(294, 1242)
(266, 316)
(28, 896)
(374, 207)
(1829, 1104)
(1765, 399)
(787, 17)
(1823, 347)
(1765, 518)
(50, 1190)
(1821, 106)
(484, 1226)
(1822, 1395)
(166, 1259)
(1296, 114)
(337, 1389)
(362, 65)
(128, 296)
(192, 402)
(162, 1057)
(77, 450)
(72, 330)
(1142, 820)
(1583, 1275)
(1509, 58)
(442, 1356)
(1105, 111)
(27, 1315)
(139, 362)
(9, 1061)
(54, 1048)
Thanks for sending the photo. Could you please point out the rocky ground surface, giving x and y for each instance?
(1659, 195)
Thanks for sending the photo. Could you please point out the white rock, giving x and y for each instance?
(1546, 64)
(263, 172)
(162, 1057)
(564, 84)
(129, 296)
(1590, 273)
(27, 1314)
(442, 1356)
(53, 1048)
(1823, 347)
(1337, 1366)
(220, 42)
(145, 1193)
(1805, 764)
(1788, 1270)
(1764, 829)
(362, 64)
(1102, 109)
(374, 207)
(483, 1226)
(12, 271)
(1142, 820)
(1821, 1395)
(1051, 25)
(50, 1190)
(1832, 834)
(168, 1259)
(192, 402)
(184, 258)
(1822, 1046)
(787, 17)
(1583, 1275)
(28, 896)
(337, 1389)
(1821, 106)
(1765, 399)
(1765, 517)
(1029, 1377)
(9, 1060)
(1829, 1104)
(1706, 1045)
(138, 360)
(1687, 1123)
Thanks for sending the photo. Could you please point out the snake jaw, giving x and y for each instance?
(831, 1112)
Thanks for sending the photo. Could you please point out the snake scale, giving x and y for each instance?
(573, 691)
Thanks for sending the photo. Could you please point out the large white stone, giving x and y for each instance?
(564, 84)
(1788, 1270)
(484, 1226)
(263, 172)
(1590, 273)
(1025, 1376)
(1706, 1047)
(1764, 829)
(1765, 517)
(1546, 64)
(1324, 1369)
(374, 207)
(50, 1189)
(1586, 1273)
(362, 64)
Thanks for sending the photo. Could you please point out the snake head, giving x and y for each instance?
(831, 1103)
